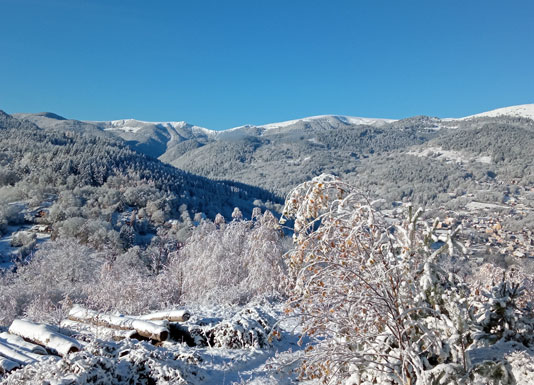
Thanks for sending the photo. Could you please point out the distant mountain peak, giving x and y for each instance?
(134, 125)
(341, 118)
(50, 115)
(522, 110)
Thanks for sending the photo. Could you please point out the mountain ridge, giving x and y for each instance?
(520, 110)
(134, 125)
(278, 156)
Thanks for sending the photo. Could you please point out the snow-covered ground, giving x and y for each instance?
(103, 360)
(7, 252)
(450, 156)
(222, 362)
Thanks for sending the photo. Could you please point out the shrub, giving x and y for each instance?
(232, 262)
(370, 289)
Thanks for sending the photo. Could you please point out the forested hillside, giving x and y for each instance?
(280, 159)
(420, 159)
(485, 159)
(90, 186)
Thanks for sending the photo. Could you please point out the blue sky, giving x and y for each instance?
(221, 64)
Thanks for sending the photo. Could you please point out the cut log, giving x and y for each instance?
(16, 355)
(101, 331)
(45, 335)
(180, 333)
(159, 322)
(144, 328)
(20, 343)
(7, 365)
(170, 315)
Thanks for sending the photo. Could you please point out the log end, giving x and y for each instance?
(73, 349)
(163, 335)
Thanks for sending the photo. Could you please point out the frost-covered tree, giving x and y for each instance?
(370, 289)
(237, 214)
(57, 271)
(232, 262)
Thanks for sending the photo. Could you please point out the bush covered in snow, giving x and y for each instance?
(249, 328)
(220, 263)
(58, 271)
(230, 262)
(376, 300)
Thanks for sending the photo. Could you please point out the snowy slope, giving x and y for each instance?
(133, 126)
(523, 110)
(318, 118)
(155, 138)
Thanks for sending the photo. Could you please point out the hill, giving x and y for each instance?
(89, 186)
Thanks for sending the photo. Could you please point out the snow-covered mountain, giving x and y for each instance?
(345, 119)
(279, 155)
(305, 126)
(523, 111)
(173, 133)
(151, 138)
(377, 122)
(134, 126)
(156, 138)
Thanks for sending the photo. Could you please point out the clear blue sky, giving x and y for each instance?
(220, 64)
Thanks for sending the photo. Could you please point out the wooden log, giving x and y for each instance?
(181, 333)
(19, 342)
(45, 335)
(16, 355)
(169, 315)
(7, 365)
(159, 322)
(102, 331)
(144, 328)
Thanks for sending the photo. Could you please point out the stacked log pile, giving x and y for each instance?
(29, 342)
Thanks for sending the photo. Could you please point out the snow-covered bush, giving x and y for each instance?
(22, 238)
(25, 241)
(94, 232)
(230, 262)
(370, 289)
(58, 270)
(249, 328)
(503, 319)
(130, 289)
(11, 214)
(485, 277)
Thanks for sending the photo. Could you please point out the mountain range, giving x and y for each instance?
(369, 151)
